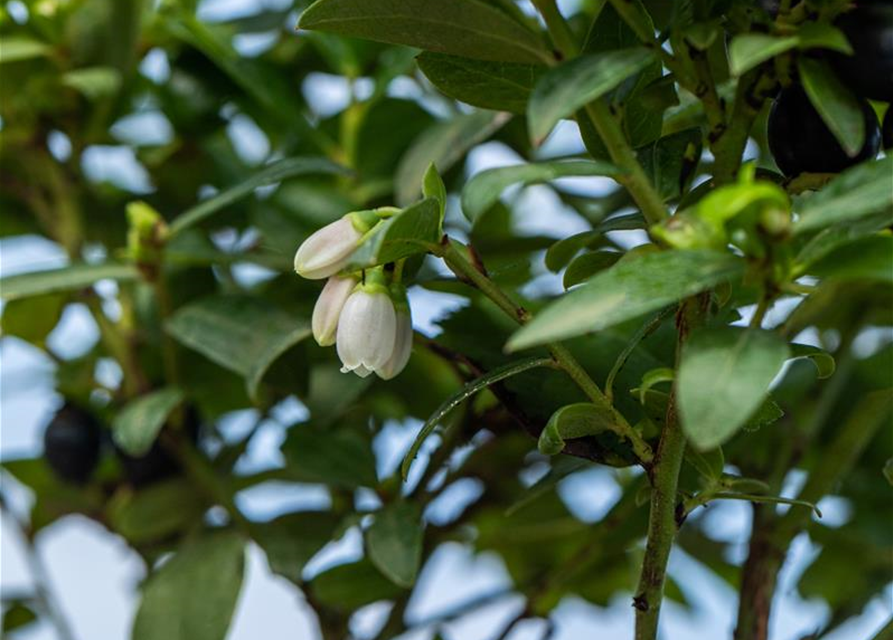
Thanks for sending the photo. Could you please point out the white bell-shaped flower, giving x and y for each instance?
(328, 308)
(328, 250)
(402, 346)
(367, 330)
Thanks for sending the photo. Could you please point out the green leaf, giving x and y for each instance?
(587, 265)
(342, 458)
(349, 587)
(157, 511)
(854, 194)
(823, 361)
(768, 413)
(497, 374)
(414, 230)
(19, 614)
(629, 289)
(244, 334)
(653, 378)
(94, 83)
(574, 421)
(571, 85)
(504, 86)
(888, 470)
(467, 28)
(484, 189)
(275, 172)
(560, 253)
(32, 319)
(291, 540)
(395, 542)
(649, 327)
(767, 500)
(868, 258)
(837, 236)
(821, 35)
(15, 48)
(670, 161)
(837, 105)
(137, 425)
(723, 379)
(433, 187)
(708, 463)
(76, 276)
(193, 596)
(443, 145)
(748, 50)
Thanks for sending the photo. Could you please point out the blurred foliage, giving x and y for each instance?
(170, 95)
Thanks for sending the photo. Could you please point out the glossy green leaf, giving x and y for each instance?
(395, 542)
(574, 421)
(629, 289)
(497, 374)
(443, 145)
(839, 108)
(276, 172)
(467, 28)
(193, 596)
(570, 86)
(854, 194)
(137, 425)
(484, 189)
(414, 230)
(723, 379)
(71, 278)
(503, 86)
(243, 334)
(291, 540)
(748, 50)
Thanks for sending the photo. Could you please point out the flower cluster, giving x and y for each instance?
(364, 315)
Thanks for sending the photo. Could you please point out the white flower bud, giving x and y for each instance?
(328, 308)
(402, 347)
(328, 250)
(367, 330)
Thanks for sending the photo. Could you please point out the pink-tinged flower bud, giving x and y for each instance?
(327, 251)
(328, 308)
(402, 347)
(367, 330)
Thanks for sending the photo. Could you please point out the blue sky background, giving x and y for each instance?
(94, 575)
